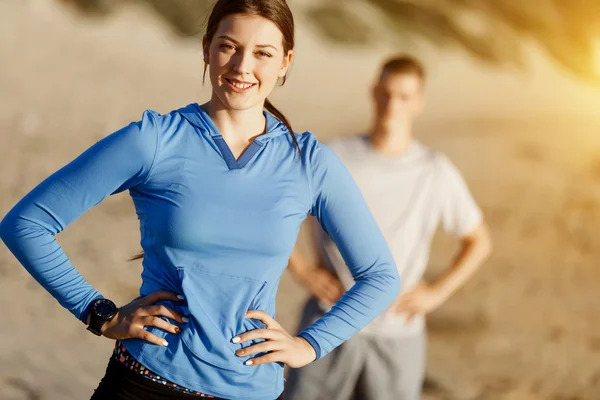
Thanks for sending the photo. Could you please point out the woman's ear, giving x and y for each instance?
(285, 65)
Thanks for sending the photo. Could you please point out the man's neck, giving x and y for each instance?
(392, 141)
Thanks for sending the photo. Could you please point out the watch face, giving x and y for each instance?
(104, 308)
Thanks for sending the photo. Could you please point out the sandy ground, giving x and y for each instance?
(525, 328)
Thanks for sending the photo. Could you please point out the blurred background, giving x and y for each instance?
(513, 99)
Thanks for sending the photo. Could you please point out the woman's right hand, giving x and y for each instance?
(130, 320)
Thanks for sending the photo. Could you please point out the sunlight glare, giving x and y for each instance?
(597, 56)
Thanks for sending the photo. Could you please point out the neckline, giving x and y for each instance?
(226, 153)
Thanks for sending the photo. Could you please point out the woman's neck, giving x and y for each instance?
(238, 127)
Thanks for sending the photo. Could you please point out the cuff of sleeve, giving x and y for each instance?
(88, 308)
(312, 342)
(470, 225)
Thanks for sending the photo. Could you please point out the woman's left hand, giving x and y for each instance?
(282, 347)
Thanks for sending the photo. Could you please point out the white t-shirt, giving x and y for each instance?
(409, 196)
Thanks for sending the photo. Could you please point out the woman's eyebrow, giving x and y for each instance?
(266, 45)
(228, 38)
(262, 46)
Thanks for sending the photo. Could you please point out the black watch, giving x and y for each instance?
(102, 311)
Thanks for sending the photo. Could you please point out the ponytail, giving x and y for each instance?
(279, 115)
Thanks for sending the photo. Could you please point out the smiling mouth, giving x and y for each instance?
(239, 86)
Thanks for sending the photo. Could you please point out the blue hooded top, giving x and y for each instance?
(219, 231)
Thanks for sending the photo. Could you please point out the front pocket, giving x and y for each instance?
(217, 306)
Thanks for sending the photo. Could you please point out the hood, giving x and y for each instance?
(199, 118)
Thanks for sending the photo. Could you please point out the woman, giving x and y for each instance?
(220, 191)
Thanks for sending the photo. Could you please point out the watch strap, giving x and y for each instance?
(95, 325)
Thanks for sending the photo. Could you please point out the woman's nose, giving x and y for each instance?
(243, 63)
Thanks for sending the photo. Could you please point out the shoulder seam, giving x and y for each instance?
(310, 177)
(147, 178)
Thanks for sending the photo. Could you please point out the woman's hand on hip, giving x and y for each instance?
(280, 345)
(130, 320)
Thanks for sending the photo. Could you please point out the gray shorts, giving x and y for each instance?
(362, 368)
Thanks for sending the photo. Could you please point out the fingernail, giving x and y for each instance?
(185, 319)
(236, 339)
(177, 330)
(239, 353)
(180, 297)
(165, 343)
(249, 362)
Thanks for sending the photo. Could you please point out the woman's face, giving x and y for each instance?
(245, 58)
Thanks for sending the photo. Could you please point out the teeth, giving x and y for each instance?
(241, 85)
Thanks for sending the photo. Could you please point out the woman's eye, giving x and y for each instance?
(263, 54)
(227, 46)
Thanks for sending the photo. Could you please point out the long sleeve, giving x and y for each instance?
(343, 214)
(114, 164)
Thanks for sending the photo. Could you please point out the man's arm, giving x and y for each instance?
(475, 249)
(427, 296)
(313, 276)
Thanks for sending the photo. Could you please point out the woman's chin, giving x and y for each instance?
(240, 104)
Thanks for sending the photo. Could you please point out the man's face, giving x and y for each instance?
(398, 97)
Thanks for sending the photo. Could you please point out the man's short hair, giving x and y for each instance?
(403, 64)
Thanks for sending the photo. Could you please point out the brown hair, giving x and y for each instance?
(403, 64)
(276, 11)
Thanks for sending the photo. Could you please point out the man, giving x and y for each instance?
(410, 190)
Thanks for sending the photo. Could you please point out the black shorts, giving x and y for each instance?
(120, 383)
